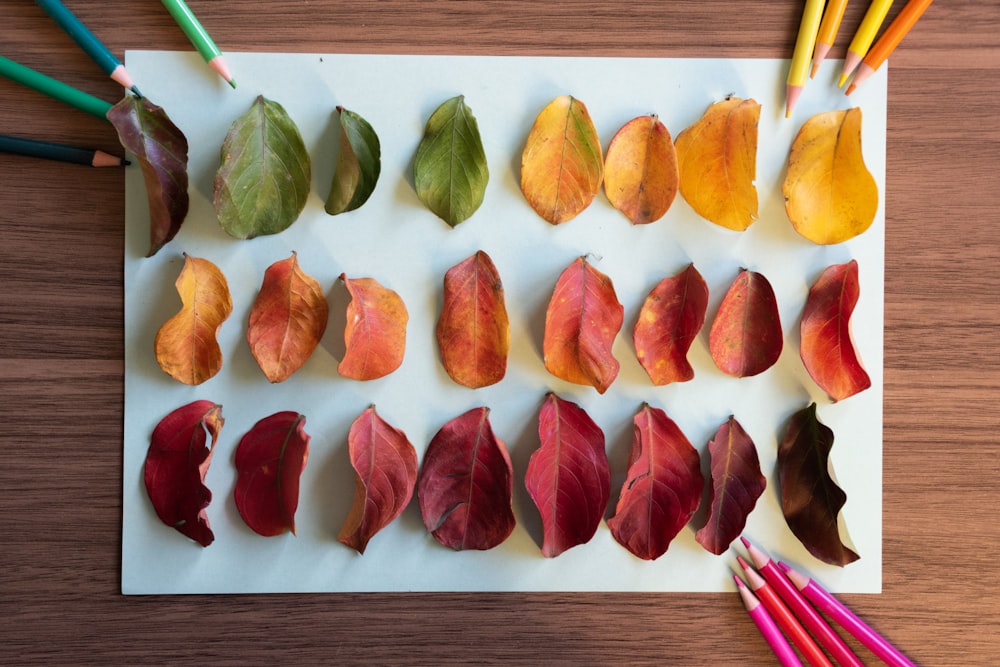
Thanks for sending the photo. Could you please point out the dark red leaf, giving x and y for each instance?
(746, 335)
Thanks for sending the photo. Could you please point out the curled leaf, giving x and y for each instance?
(562, 164)
(830, 196)
(568, 477)
(146, 131)
(810, 499)
(263, 182)
(270, 459)
(640, 171)
(669, 320)
(662, 488)
(746, 338)
(581, 322)
(473, 332)
(385, 473)
(466, 483)
(717, 159)
(450, 171)
(358, 164)
(737, 483)
(827, 349)
(186, 345)
(375, 333)
(176, 464)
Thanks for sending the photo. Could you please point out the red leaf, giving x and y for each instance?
(269, 461)
(376, 330)
(810, 499)
(662, 488)
(176, 465)
(581, 323)
(568, 476)
(668, 323)
(746, 335)
(465, 484)
(385, 472)
(737, 483)
(827, 348)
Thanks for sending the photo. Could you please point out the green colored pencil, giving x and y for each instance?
(53, 88)
(60, 152)
(199, 37)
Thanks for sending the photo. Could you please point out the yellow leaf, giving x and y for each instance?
(640, 172)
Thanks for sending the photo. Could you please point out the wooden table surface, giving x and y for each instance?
(61, 354)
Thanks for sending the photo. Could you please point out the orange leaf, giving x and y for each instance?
(717, 159)
(746, 338)
(473, 331)
(376, 330)
(640, 172)
(287, 319)
(562, 164)
(186, 345)
(830, 196)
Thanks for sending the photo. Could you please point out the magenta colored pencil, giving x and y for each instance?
(768, 629)
(836, 610)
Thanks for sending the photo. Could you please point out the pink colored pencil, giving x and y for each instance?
(836, 610)
(772, 635)
(823, 633)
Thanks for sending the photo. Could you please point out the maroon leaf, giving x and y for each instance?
(662, 488)
(269, 461)
(746, 335)
(737, 483)
(465, 484)
(568, 476)
(176, 465)
(810, 499)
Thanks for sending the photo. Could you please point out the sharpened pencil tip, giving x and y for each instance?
(232, 82)
(126, 163)
(851, 88)
(135, 90)
(745, 541)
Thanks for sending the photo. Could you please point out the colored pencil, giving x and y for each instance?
(783, 616)
(87, 41)
(60, 152)
(823, 633)
(53, 88)
(832, 16)
(864, 37)
(199, 37)
(836, 610)
(798, 71)
(765, 624)
(889, 40)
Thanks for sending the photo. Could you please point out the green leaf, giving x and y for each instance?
(263, 182)
(358, 164)
(450, 170)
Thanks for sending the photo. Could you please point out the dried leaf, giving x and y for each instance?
(810, 499)
(640, 171)
(568, 476)
(473, 332)
(466, 483)
(263, 182)
(662, 488)
(562, 164)
(376, 330)
(176, 465)
(737, 483)
(746, 338)
(669, 321)
(358, 164)
(717, 159)
(827, 349)
(830, 196)
(450, 171)
(269, 461)
(581, 322)
(186, 345)
(161, 149)
(385, 473)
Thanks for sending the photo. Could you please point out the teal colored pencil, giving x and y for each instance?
(60, 152)
(53, 88)
(199, 37)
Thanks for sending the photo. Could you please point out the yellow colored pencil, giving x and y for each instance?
(832, 16)
(798, 72)
(864, 37)
(889, 40)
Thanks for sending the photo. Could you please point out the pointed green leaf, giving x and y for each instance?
(263, 182)
(358, 164)
(450, 170)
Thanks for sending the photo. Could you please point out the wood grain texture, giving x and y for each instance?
(61, 367)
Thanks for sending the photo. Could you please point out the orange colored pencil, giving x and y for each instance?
(889, 40)
(832, 16)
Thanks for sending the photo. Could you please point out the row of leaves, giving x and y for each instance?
(465, 483)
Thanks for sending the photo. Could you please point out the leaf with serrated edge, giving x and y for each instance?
(358, 164)
(640, 171)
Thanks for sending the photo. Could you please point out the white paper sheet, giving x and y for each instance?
(396, 240)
